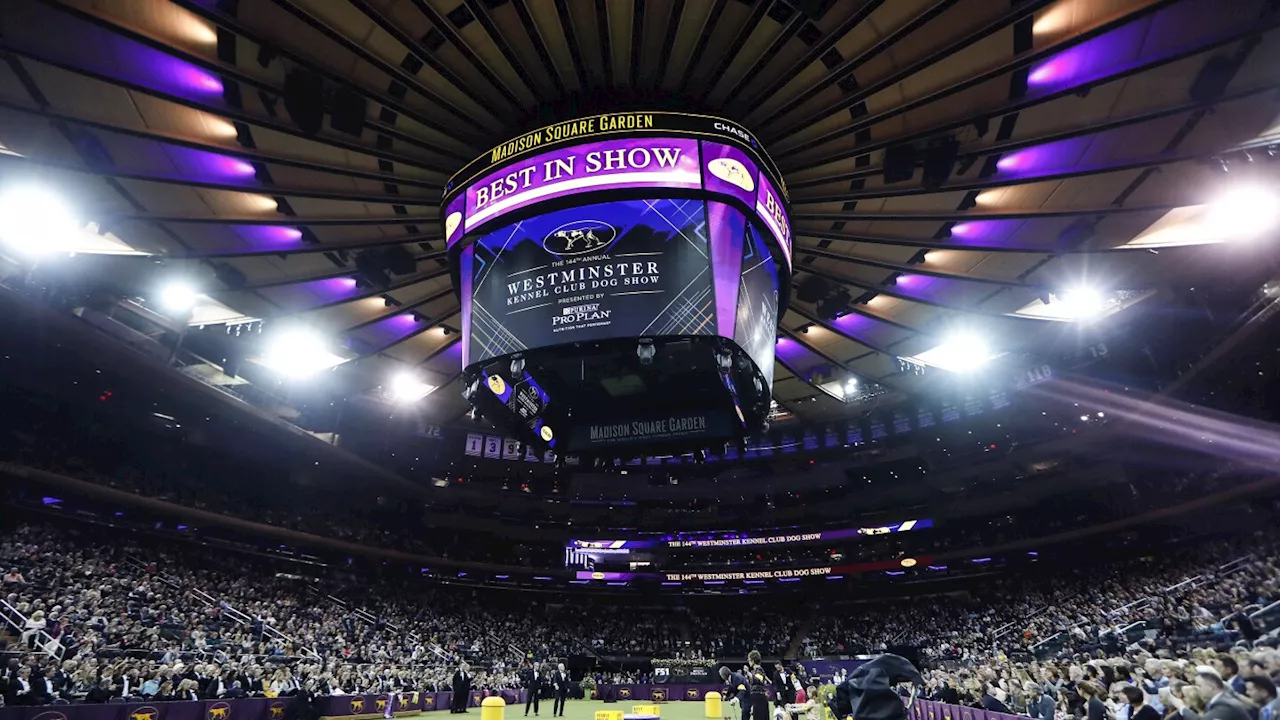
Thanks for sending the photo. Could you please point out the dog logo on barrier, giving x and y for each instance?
(277, 710)
(659, 694)
(218, 711)
(691, 693)
(382, 704)
(579, 238)
(624, 693)
(50, 715)
(146, 712)
(357, 706)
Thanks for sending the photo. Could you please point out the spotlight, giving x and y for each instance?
(1083, 303)
(35, 221)
(406, 388)
(299, 353)
(445, 330)
(645, 351)
(959, 354)
(178, 297)
(1244, 211)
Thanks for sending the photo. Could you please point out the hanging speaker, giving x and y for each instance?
(899, 163)
(399, 261)
(1213, 79)
(349, 111)
(938, 160)
(304, 100)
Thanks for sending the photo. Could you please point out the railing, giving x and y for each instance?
(44, 642)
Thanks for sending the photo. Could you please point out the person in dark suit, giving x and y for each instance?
(533, 679)
(461, 688)
(784, 690)
(758, 680)
(1223, 703)
(560, 683)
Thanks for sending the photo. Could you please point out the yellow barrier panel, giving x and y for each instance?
(646, 709)
(712, 703)
(492, 708)
(605, 715)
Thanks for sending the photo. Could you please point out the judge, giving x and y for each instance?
(461, 688)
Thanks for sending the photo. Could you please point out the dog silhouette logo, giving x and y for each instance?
(659, 694)
(579, 237)
(146, 712)
(691, 693)
(624, 693)
(50, 715)
(357, 706)
(218, 711)
(277, 710)
(732, 172)
(382, 704)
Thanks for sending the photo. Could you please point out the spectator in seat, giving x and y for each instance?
(1229, 669)
(1222, 703)
(1041, 700)
(34, 625)
(1138, 707)
(1095, 709)
(1262, 691)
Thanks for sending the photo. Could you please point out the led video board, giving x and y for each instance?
(627, 268)
(659, 163)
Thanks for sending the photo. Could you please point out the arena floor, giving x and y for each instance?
(586, 710)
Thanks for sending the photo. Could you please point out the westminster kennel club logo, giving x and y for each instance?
(277, 710)
(659, 694)
(357, 706)
(50, 715)
(429, 701)
(579, 238)
(691, 694)
(218, 711)
(624, 693)
(145, 712)
(382, 704)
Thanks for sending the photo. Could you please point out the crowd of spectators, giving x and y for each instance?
(130, 616)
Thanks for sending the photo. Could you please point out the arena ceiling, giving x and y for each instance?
(1092, 137)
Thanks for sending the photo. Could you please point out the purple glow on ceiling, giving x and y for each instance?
(166, 73)
(268, 236)
(449, 361)
(1091, 60)
(920, 286)
(983, 232)
(206, 165)
(331, 289)
(800, 359)
(388, 330)
(1043, 159)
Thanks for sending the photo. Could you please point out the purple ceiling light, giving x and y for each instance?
(1090, 60)
(1043, 159)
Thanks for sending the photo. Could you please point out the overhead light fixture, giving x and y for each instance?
(960, 353)
(1243, 211)
(1083, 303)
(34, 220)
(405, 387)
(178, 297)
(299, 353)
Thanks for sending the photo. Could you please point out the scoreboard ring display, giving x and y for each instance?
(619, 234)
